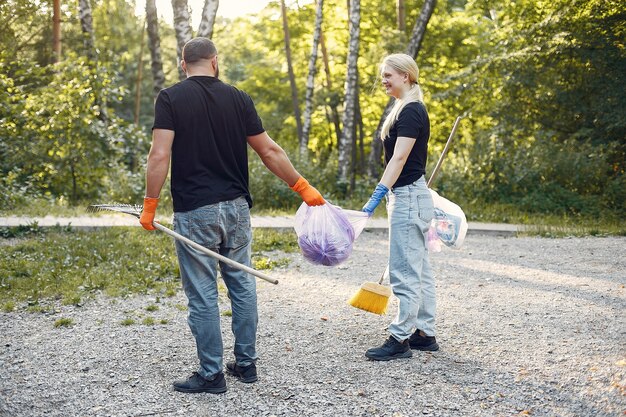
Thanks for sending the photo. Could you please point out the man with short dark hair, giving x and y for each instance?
(204, 126)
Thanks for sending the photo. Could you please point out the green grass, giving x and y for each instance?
(270, 239)
(549, 225)
(263, 262)
(127, 322)
(47, 264)
(73, 266)
(63, 322)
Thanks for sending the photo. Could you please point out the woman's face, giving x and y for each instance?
(395, 83)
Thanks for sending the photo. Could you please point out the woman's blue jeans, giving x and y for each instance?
(224, 228)
(410, 211)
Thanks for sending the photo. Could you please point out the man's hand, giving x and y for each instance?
(147, 214)
(309, 194)
(379, 192)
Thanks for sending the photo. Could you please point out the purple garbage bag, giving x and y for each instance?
(326, 233)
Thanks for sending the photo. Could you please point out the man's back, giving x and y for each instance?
(211, 121)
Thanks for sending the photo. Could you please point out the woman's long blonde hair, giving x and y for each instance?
(403, 64)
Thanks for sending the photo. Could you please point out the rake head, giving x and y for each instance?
(132, 209)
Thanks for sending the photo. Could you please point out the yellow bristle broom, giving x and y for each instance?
(373, 296)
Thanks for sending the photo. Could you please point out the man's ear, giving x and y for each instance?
(183, 65)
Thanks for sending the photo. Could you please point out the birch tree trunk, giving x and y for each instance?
(292, 77)
(154, 43)
(334, 113)
(56, 31)
(183, 30)
(86, 26)
(208, 18)
(347, 134)
(310, 82)
(417, 36)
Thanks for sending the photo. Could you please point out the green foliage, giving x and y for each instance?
(539, 85)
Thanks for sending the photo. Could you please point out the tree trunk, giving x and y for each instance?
(292, 77)
(208, 18)
(183, 30)
(56, 31)
(86, 26)
(419, 30)
(310, 82)
(347, 135)
(329, 87)
(154, 43)
(401, 15)
(417, 36)
(139, 77)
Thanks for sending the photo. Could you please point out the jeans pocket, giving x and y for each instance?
(426, 207)
(204, 227)
(243, 232)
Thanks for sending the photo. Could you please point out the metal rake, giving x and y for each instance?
(135, 210)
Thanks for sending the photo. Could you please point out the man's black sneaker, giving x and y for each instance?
(245, 374)
(428, 343)
(391, 349)
(196, 383)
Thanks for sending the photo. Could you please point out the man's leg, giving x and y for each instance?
(199, 278)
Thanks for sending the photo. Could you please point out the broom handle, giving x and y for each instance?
(209, 252)
(382, 277)
(431, 180)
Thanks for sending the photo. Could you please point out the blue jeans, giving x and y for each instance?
(410, 211)
(224, 228)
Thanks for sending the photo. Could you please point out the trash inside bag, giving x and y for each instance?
(449, 223)
(434, 244)
(326, 233)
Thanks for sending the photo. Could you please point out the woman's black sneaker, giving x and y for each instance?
(427, 343)
(196, 383)
(391, 349)
(245, 374)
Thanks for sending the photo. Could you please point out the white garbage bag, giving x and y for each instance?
(449, 224)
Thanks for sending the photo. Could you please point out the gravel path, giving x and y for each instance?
(527, 326)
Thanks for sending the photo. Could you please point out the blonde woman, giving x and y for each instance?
(405, 136)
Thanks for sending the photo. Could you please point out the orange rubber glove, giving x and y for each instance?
(309, 194)
(147, 214)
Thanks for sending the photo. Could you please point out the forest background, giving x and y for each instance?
(540, 86)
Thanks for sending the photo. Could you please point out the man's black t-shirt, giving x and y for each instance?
(412, 122)
(211, 121)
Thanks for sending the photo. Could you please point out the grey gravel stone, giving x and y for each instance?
(527, 326)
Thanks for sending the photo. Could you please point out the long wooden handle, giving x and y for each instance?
(431, 180)
(209, 252)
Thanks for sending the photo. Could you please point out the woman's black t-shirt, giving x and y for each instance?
(211, 121)
(413, 123)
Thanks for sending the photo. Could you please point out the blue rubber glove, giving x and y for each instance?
(379, 192)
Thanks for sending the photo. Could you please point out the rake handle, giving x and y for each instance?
(209, 252)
